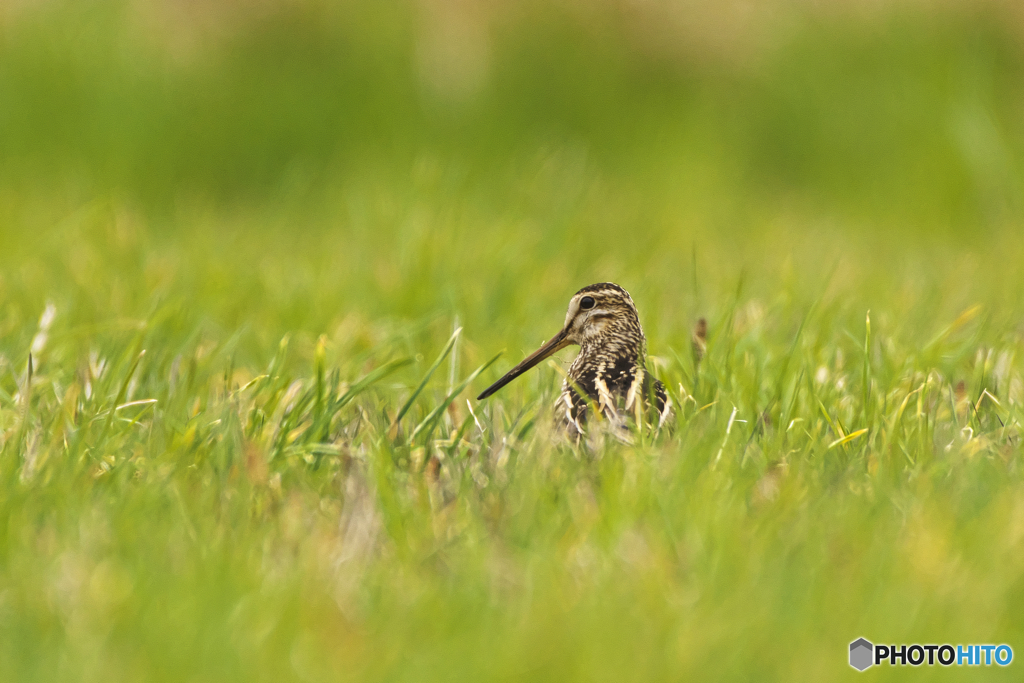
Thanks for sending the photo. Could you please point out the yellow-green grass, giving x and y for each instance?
(227, 309)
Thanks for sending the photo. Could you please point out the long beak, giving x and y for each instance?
(559, 341)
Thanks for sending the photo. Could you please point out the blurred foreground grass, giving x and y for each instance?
(290, 209)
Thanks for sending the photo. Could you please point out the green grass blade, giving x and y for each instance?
(369, 380)
(428, 423)
(437, 363)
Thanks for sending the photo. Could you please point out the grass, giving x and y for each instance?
(238, 439)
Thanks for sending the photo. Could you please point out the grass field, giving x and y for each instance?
(235, 238)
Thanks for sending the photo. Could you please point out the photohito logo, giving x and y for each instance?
(863, 654)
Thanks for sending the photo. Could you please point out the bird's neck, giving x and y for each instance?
(613, 346)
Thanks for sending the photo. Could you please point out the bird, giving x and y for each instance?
(610, 372)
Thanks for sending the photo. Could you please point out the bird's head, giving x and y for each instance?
(598, 315)
(598, 312)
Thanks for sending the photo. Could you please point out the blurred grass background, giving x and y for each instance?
(276, 199)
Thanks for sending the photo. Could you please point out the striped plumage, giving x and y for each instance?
(609, 372)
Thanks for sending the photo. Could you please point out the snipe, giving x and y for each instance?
(610, 371)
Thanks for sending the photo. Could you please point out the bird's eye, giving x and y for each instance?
(587, 302)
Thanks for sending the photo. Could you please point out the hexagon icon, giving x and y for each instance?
(861, 652)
